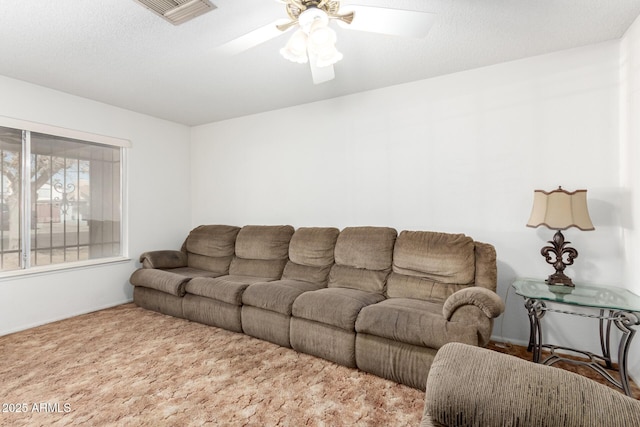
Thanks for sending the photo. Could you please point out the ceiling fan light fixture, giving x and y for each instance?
(322, 44)
(313, 16)
(320, 35)
(296, 48)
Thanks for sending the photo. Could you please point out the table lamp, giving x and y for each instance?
(558, 210)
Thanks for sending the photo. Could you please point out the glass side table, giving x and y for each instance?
(617, 306)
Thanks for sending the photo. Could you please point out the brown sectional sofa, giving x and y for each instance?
(362, 297)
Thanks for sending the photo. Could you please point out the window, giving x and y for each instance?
(61, 195)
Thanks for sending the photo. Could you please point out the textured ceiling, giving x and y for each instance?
(119, 53)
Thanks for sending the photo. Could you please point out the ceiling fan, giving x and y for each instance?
(314, 41)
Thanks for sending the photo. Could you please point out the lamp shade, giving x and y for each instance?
(560, 209)
(322, 44)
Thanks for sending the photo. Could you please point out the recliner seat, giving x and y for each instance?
(434, 296)
(160, 284)
(323, 322)
(267, 306)
(261, 253)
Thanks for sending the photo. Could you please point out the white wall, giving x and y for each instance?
(630, 149)
(159, 204)
(629, 163)
(458, 153)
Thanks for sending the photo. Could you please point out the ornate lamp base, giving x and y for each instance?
(559, 278)
(559, 248)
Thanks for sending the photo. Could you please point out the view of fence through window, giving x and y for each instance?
(75, 202)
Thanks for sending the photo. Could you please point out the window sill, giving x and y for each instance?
(79, 265)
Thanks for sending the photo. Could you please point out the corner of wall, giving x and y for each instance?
(629, 162)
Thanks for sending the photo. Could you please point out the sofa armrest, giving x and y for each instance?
(472, 386)
(160, 280)
(488, 301)
(163, 259)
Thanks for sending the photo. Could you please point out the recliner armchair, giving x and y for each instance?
(473, 386)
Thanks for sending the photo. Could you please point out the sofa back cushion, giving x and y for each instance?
(363, 258)
(429, 265)
(311, 254)
(261, 251)
(486, 266)
(211, 247)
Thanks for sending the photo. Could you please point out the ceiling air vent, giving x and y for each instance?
(177, 11)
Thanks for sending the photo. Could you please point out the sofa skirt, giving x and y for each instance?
(212, 312)
(155, 300)
(325, 341)
(400, 362)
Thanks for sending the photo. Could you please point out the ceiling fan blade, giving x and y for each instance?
(253, 38)
(347, 18)
(321, 74)
(287, 25)
(395, 22)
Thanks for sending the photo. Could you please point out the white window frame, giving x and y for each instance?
(41, 128)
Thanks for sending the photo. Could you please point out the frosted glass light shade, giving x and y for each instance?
(321, 35)
(296, 48)
(322, 43)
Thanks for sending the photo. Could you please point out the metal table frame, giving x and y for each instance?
(622, 319)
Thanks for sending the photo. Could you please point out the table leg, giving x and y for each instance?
(536, 310)
(605, 337)
(624, 321)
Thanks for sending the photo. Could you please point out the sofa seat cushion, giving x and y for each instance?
(402, 286)
(338, 307)
(415, 322)
(227, 289)
(277, 296)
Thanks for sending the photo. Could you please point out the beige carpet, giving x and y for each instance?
(129, 366)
